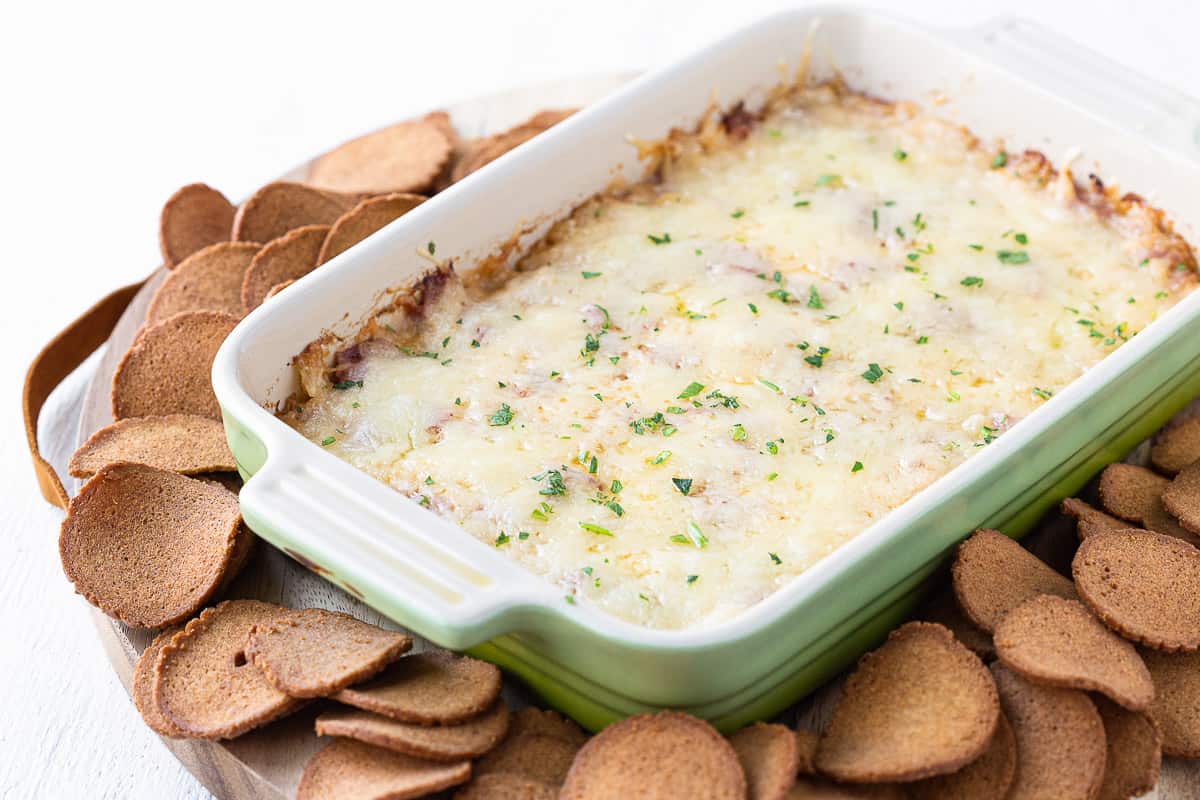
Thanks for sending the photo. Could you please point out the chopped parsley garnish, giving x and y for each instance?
(1021, 238)
(775, 559)
(692, 390)
(692, 579)
(976, 247)
(899, 154)
(696, 536)
(817, 359)
(814, 299)
(343, 385)
(662, 456)
(858, 465)
(739, 213)
(773, 387)
(523, 535)
(829, 180)
(1045, 394)
(502, 539)
(599, 530)
(1012, 256)
(873, 373)
(570, 598)
(727, 400)
(615, 507)
(922, 340)
(999, 160)
(738, 433)
(684, 485)
(773, 447)
(543, 509)
(502, 416)
(328, 440)
(589, 275)
(616, 486)
(972, 280)
(554, 483)
(431, 247)
(802, 203)
(782, 295)
(664, 239)
(753, 308)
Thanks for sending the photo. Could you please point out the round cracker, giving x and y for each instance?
(1058, 642)
(1176, 706)
(1090, 521)
(1143, 585)
(182, 443)
(481, 152)
(283, 206)
(1134, 751)
(1128, 491)
(142, 687)
(167, 370)
(770, 757)
(943, 609)
(986, 778)
(147, 546)
(282, 260)
(506, 786)
(1176, 446)
(1159, 520)
(348, 770)
(364, 219)
(1181, 497)
(1060, 739)
(193, 218)
(208, 280)
(806, 747)
(405, 157)
(315, 653)
(665, 755)
(435, 687)
(992, 574)
(547, 723)
(920, 705)
(813, 788)
(205, 684)
(535, 756)
(469, 739)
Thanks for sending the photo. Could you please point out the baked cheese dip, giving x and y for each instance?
(695, 388)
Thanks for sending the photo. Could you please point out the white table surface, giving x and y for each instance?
(110, 107)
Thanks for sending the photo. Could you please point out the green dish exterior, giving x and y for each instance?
(734, 682)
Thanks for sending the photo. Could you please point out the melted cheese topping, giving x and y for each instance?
(691, 393)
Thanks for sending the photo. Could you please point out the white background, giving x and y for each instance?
(107, 108)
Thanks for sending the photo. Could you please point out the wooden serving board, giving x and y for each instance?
(266, 764)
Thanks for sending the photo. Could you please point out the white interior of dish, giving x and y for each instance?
(1131, 134)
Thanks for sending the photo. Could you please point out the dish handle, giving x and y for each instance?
(1169, 118)
(386, 550)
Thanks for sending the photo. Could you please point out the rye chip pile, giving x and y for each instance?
(1020, 683)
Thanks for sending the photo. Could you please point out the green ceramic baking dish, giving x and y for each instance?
(432, 577)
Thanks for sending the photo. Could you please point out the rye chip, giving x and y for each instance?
(182, 443)
(1143, 585)
(167, 369)
(312, 652)
(149, 547)
(1176, 446)
(204, 683)
(1176, 706)
(283, 206)
(1181, 497)
(481, 152)
(651, 756)
(142, 687)
(469, 739)
(405, 157)
(1088, 520)
(207, 280)
(365, 219)
(348, 770)
(992, 574)
(1060, 739)
(1058, 642)
(1128, 491)
(770, 757)
(986, 778)
(193, 218)
(876, 735)
(283, 260)
(435, 687)
(506, 786)
(541, 758)
(1134, 751)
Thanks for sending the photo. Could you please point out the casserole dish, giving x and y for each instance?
(432, 577)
